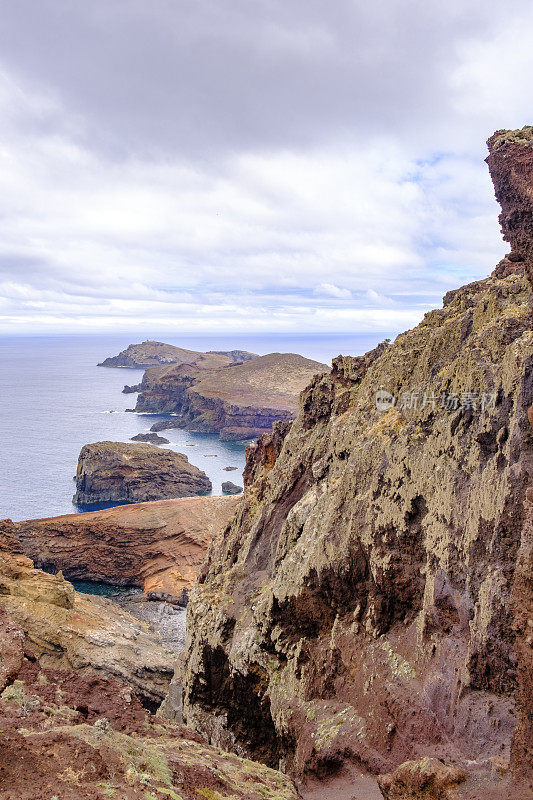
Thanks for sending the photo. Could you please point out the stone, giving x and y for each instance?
(134, 473)
(231, 488)
(427, 779)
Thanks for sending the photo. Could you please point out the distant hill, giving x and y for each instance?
(239, 401)
(150, 354)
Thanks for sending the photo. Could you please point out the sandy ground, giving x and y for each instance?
(349, 784)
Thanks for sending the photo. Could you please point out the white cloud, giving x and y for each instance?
(327, 187)
(330, 290)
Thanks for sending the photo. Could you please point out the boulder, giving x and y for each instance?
(427, 779)
(231, 488)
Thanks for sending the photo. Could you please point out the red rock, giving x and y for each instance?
(158, 546)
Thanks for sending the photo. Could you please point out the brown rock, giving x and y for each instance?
(66, 629)
(427, 779)
(240, 401)
(158, 546)
(135, 473)
(510, 163)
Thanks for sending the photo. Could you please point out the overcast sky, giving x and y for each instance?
(250, 165)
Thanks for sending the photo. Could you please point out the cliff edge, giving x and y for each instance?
(240, 401)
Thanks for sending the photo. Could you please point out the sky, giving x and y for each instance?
(250, 166)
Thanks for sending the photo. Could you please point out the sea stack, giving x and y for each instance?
(120, 472)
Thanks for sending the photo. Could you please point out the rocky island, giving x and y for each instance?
(120, 472)
(150, 354)
(151, 438)
(240, 401)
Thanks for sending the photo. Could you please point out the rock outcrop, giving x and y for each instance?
(228, 487)
(118, 472)
(67, 734)
(510, 162)
(150, 354)
(69, 630)
(151, 438)
(158, 546)
(369, 601)
(241, 401)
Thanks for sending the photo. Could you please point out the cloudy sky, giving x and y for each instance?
(204, 166)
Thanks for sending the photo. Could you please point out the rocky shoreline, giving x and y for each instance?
(158, 546)
(238, 402)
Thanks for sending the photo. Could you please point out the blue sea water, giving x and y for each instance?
(54, 399)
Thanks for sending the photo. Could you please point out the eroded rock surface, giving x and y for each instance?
(158, 546)
(66, 629)
(134, 473)
(76, 736)
(363, 603)
(510, 162)
(241, 401)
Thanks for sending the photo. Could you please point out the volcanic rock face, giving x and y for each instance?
(363, 603)
(511, 166)
(66, 629)
(150, 354)
(158, 546)
(134, 473)
(239, 402)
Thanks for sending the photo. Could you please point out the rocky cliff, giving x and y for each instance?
(510, 163)
(238, 402)
(369, 603)
(150, 354)
(158, 546)
(134, 473)
(69, 630)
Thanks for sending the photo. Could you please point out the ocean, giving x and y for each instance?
(54, 399)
